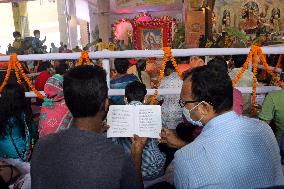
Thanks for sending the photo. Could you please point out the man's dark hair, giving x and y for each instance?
(169, 65)
(140, 66)
(16, 34)
(211, 85)
(43, 66)
(239, 60)
(36, 32)
(100, 40)
(121, 65)
(219, 63)
(135, 91)
(85, 90)
(62, 68)
(3, 184)
(169, 68)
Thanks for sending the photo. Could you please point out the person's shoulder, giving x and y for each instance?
(50, 139)
(276, 93)
(191, 150)
(253, 124)
(132, 77)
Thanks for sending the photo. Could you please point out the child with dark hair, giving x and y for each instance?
(153, 160)
(135, 92)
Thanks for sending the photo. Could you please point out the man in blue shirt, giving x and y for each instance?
(232, 151)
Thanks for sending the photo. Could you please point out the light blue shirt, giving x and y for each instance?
(231, 152)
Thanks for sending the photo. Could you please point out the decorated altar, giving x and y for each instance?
(145, 32)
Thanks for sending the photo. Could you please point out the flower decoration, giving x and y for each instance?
(19, 72)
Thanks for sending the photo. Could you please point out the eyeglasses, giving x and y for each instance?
(183, 103)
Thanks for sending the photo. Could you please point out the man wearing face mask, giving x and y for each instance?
(232, 151)
(37, 44)
(81, 157)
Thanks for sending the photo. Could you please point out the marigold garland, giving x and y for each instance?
(244, 68)
(19, 72)
(253, 100)
(278, 65)
(167, 55)
(275, 78)
(255, 52)
(84, 59)
(5, 81)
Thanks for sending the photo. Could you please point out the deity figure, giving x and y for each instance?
(275, 20)
(226, 22)
(214, 23)
(150, 41)
(249, 16)
(129, 35)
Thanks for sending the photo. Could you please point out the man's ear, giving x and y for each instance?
(106, 105)
(205, 108)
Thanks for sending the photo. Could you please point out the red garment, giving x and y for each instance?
(238, 101)
(41, 80)
(3, 65)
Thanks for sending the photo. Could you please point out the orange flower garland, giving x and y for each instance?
(4, 83)
(167, 54)
(19, 72)
(278, 65)
(253, 100)
(27, 79)
(84, 59)
(275, 78)
(254, 53)
(245, 66)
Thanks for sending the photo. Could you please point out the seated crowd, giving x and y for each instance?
(205, 142)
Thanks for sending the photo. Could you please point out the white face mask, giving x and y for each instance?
(186, 114)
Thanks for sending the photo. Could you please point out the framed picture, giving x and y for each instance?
(152, 39)
(152, 35)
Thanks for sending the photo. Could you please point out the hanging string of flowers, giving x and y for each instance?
(275, 78)
(19, 72)
(5, 81)
(19, 80)
(255, 52)
(244, 68)
(28, 81)
(255, 66)
(84, 59)
(167, 55)
(278, 65)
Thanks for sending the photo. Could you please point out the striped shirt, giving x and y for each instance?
(153, 160)
(231, 152)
